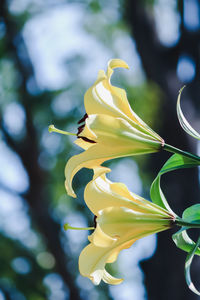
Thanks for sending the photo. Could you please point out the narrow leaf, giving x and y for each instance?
(184, 242)
(192, 213)
(157, 195)
(183, 122)
(188, 263)
(175, 162)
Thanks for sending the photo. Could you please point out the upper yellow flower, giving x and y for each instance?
(109, 129)
(122, 218)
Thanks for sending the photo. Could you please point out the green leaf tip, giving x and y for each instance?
(182, 120)
(181, 89)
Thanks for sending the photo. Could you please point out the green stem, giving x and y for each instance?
(52, 128)
(183, 153)
(67, 226)
(182, 223)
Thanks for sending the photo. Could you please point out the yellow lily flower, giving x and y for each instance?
(109, 129)
(121, 219)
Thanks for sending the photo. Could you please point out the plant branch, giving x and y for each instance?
(173, 149)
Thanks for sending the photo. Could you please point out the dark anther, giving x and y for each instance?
(83, 119)
(95, 222)
(80, 129)
(86, 139)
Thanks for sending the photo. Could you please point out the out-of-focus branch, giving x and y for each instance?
(5, 292)
(160, 63)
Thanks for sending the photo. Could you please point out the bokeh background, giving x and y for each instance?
(50, 53)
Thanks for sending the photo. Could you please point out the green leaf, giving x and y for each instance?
(188, 263)
(184, 242)
(157, 195)
(175, 162)
(192, 213)
(183, 122)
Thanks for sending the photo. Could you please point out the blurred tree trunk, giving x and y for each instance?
(164, 272)
(37, 197)
(28, 151)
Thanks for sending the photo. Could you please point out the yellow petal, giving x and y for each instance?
(117, 63)
(108, 130)
(129, 224)
(92, 262)
(114, 138)
(83, 144)
(101, 193)
(87, 159)
(114, 254)
(93, 258)
(103, 98)
(107, 278)
(100, 239)
(98, 196)
(109, 146)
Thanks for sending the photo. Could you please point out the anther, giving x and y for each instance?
(83, 119)
(95, 221)
(87, 140)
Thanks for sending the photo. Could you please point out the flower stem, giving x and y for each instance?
(179, 151)
(182, 223)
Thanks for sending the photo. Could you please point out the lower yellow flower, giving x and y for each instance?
(121, 219)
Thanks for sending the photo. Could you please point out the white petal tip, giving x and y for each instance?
(96, 277)
(107, 278)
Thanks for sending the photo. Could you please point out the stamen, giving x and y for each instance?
(86, 139)
(52, 128)
(80, 128)
(67, 226)
(95, 221)
(83, 119)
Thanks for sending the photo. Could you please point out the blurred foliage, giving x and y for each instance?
(45, 154)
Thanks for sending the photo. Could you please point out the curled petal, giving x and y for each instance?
(107, 278)
(184, 123)
(101, 193)
(92, 262)
(101, 239)
(104, 98)
(87, 159)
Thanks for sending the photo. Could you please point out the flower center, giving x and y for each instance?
(80, 129)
